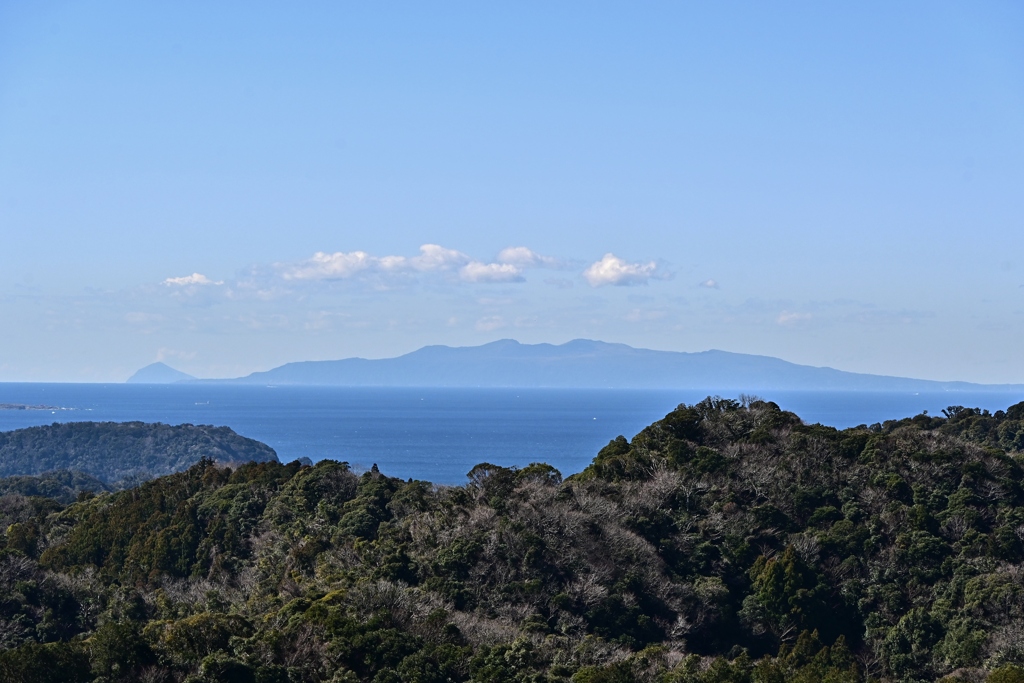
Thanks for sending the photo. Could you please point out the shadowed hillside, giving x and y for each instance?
(727, 542)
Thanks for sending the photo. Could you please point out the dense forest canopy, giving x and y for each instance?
(122, 453)
(728, 542)
(64, 486)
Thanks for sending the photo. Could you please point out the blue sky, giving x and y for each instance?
(231, 186)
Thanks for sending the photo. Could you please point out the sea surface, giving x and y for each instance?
(437, 434)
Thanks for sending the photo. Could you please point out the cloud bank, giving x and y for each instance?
(341, 265)
(433, 258)
(450, 265)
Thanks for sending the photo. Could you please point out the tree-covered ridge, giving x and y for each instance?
(122, 452)
(727, 542)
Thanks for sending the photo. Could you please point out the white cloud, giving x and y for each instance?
(709, 284)
(474, 271)
(611, 270)
(790, 318)
(336, 266)
(433, 257)
(342, 265)
(524, 257)
(193, 279)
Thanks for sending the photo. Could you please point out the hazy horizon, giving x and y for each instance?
(229, 188)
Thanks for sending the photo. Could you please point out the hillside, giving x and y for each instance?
(121, 452)
(583, 363)
(724, 543)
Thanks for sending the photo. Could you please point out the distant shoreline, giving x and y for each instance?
(22, 406)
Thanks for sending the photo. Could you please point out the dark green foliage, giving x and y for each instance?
(51, 663)
(63, 486)
(728, 542)
(180, 525)
(118, 452)
(118, 651)
(612, 673)
(786, 597)
(219, 668)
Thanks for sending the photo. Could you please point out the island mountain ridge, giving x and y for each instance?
(585, 364)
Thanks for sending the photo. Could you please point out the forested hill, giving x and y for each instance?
(726, 543)
(117, 452)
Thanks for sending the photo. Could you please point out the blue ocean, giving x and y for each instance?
(436, 434)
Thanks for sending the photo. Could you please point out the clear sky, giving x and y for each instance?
(230, 186)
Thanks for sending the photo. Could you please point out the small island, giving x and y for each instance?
(23, 406)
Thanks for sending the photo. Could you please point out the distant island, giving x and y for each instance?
(122, 453)
(158, 373)
(23, 406)
(582, 364)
